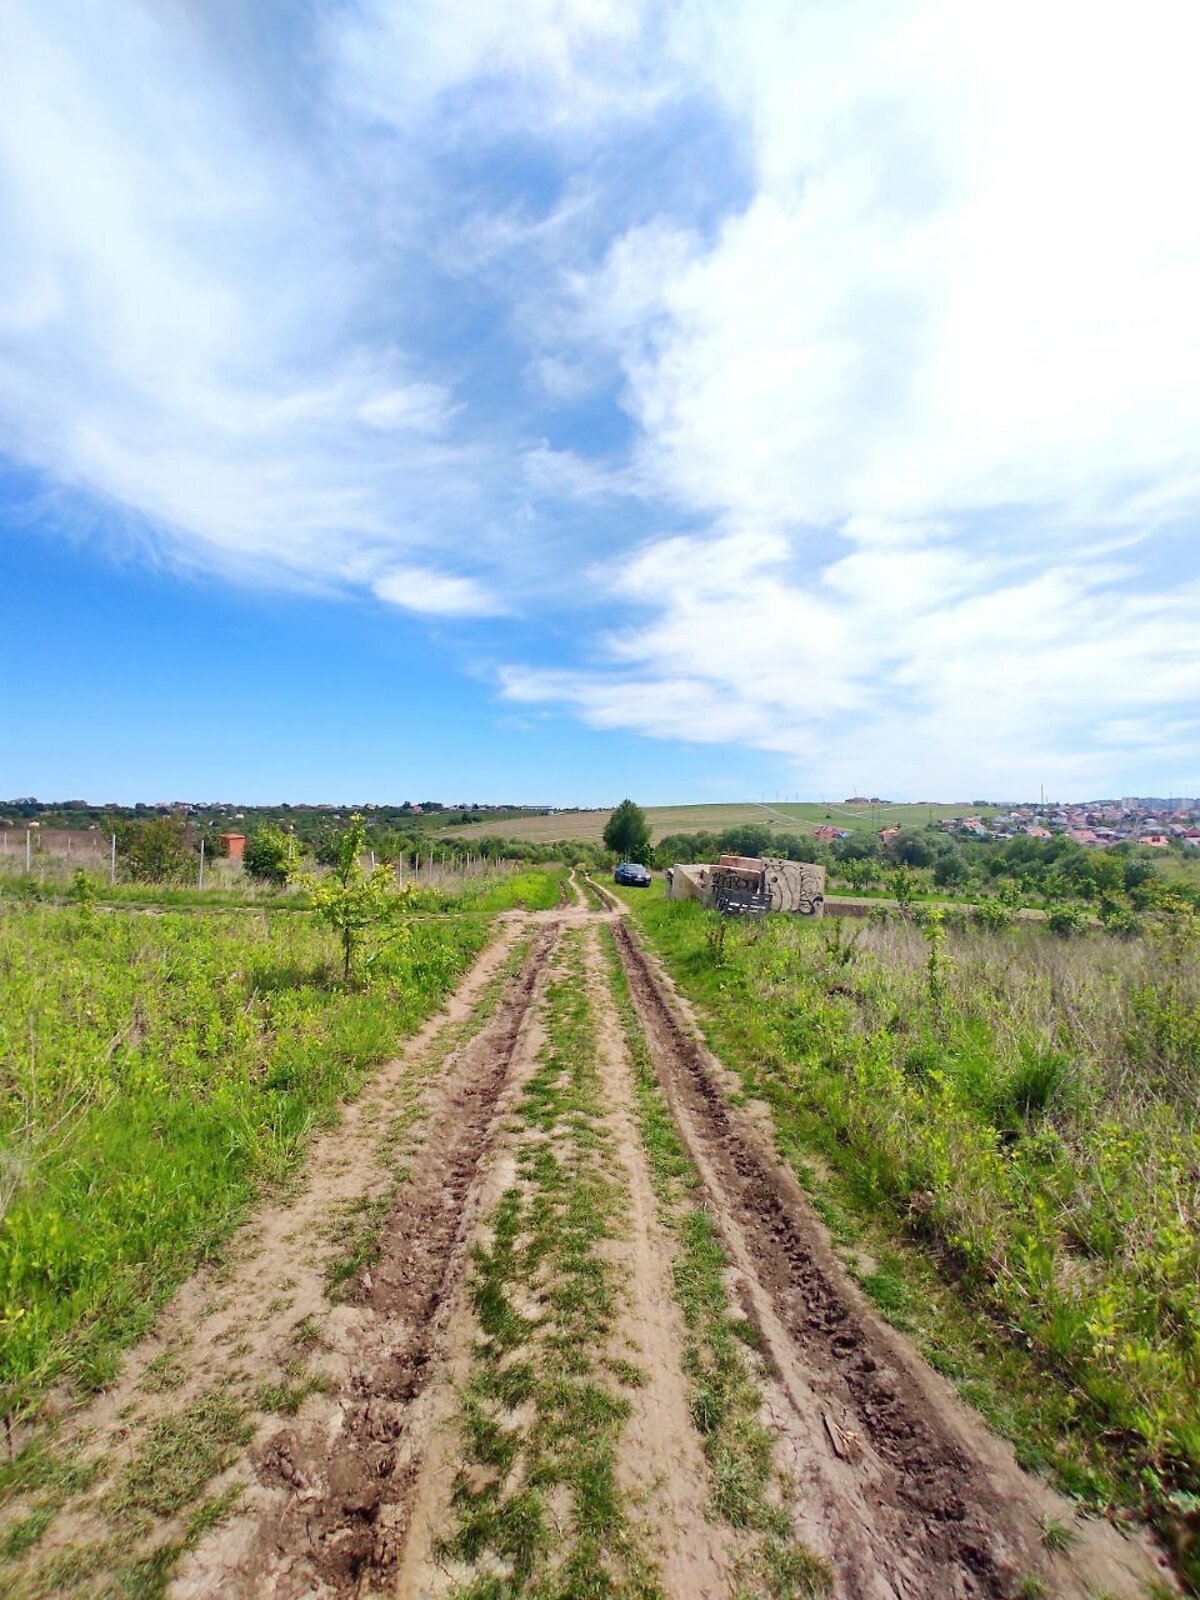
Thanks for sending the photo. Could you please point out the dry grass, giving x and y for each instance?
(802, 817)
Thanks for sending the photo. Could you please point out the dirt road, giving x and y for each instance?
(549, 1317)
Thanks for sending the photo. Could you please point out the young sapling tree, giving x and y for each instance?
(364, 909)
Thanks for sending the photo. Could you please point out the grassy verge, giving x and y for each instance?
(535, 889)
(1022, 1111)
(537, 1506)
(718, 1357)
(159, 1072)
(530, 889)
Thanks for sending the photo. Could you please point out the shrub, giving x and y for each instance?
(1065, 920)
(361, 907)
(272, 855)
(992, 915)
(1118, 918)
(157, 851)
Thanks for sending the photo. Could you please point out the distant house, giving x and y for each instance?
(888, 834)
(826, 833)
(1156, 841)
(1039, 833)
(857, 800)
(1083, 836)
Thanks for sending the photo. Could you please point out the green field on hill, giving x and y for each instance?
(781, 815)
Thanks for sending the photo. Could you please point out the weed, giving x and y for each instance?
(179, 1457)
(1057, 1535)
(25, 1532)
(285, 1397)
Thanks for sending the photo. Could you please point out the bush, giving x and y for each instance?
(157, 851)
(271, 855)
(1119, 918)
(1065, 920)
(992, 915)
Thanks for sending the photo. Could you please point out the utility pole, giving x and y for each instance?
(200, 879)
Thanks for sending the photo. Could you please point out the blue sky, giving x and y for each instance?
(554, 401)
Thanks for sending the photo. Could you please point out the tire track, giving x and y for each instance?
(916, 1500)
(334, 1493)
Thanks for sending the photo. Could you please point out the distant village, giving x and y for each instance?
(1156, 823)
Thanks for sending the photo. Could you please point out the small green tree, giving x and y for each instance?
(860, 874)
(627, 833)
(902, 886)
(363, 908)
(83, 892)
(950, 870)
(272, 855)
(158, 851)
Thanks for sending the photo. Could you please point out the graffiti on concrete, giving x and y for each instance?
(796, 886)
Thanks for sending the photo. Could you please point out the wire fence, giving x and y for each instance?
(52, 855)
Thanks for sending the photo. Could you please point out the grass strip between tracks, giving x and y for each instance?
(717, 1359)
(537, 1505)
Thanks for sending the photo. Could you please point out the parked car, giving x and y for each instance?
(633, 874)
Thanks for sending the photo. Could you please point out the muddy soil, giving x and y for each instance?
(329, 1512)
(899, 1485)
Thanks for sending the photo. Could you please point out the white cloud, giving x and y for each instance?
(940, 364)
(435, 593)
(187, 316)
(936, 672)
(917, 375)
(424, 407)
(965, 280)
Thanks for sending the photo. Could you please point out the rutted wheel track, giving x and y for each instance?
(909, 1510)
(339, 1517)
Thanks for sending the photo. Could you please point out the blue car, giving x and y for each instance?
(633, 875)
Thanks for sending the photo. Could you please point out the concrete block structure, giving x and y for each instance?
(797, 887)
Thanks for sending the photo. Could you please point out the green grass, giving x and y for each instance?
(1025, 1116)
(160, 1072)
(180, 1456)
(533, 889)
(718, 1355)
(285, 1397)
(538, 1508)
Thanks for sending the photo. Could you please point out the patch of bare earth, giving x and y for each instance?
(897, 1483)
(327, 1511)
